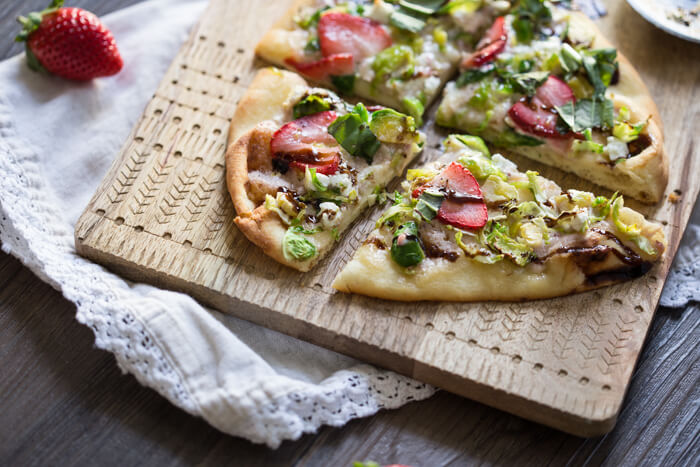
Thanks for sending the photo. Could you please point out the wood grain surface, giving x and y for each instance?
(63, 402)
(163, 215)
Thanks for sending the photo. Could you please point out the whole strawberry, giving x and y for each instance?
(69, 42)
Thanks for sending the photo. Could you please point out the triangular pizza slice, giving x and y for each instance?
(471, 226)
(397, 53)
(302, 164)
(545, 83)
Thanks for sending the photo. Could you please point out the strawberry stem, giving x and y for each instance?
(31, 22)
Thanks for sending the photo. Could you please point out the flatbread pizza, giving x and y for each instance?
(471, 226)
(302, 164)
(545, 83)
(399, 54)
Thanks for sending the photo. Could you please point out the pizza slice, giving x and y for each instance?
(399, 54)
(470, 226)
(545, 83)
(302, 164)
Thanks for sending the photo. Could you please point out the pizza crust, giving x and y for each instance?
(372, 272)
(264, 107)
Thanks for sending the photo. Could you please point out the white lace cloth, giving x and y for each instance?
(57, 139)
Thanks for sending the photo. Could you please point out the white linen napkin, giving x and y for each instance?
(57, 140)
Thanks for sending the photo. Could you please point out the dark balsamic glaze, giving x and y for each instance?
(376, 242)
(280, 165)
(585, 255)
(638, 145)
(433, 251)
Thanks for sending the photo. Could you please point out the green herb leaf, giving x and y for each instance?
(473, 75)
(345, 83)
(352, 133)
(530, 16)
(527, 83)
(587, 113)
(310, 105)
(429, 204)
(312, 45)
(600, 66)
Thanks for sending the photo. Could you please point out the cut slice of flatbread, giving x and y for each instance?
(561, 95)
(302, 164)
(397, 54)
(470, 227)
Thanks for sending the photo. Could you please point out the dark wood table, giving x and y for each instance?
(64, 402)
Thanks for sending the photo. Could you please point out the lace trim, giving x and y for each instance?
(32, 231)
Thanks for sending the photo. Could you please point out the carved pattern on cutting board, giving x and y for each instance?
(148, 191)
(127, 176)
(197, 202)
(176, 194)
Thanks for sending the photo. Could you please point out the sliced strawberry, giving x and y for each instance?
(538, 117)
(334, 65)
(536, 121)
(554, 92)
(305, 142)
(492, 44)
(341, 33)
(464, 205)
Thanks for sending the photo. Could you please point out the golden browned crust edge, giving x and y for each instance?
(632, 89)
(263, 101)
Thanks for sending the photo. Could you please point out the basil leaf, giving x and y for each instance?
(473, 75)
(312, 45)
(345, 83)
(530, 16)
(353, 134)
(310, 105)
(527, 83)
(587, 113)
(429, 204)
(600, 66)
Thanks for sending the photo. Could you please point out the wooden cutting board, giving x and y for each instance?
(163, 215)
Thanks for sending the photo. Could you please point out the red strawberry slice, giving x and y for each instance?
(538, 117)
(492, 44)
(464, 205)
(554, 92)
(305, 142)
(334, 65)
(341, 33)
